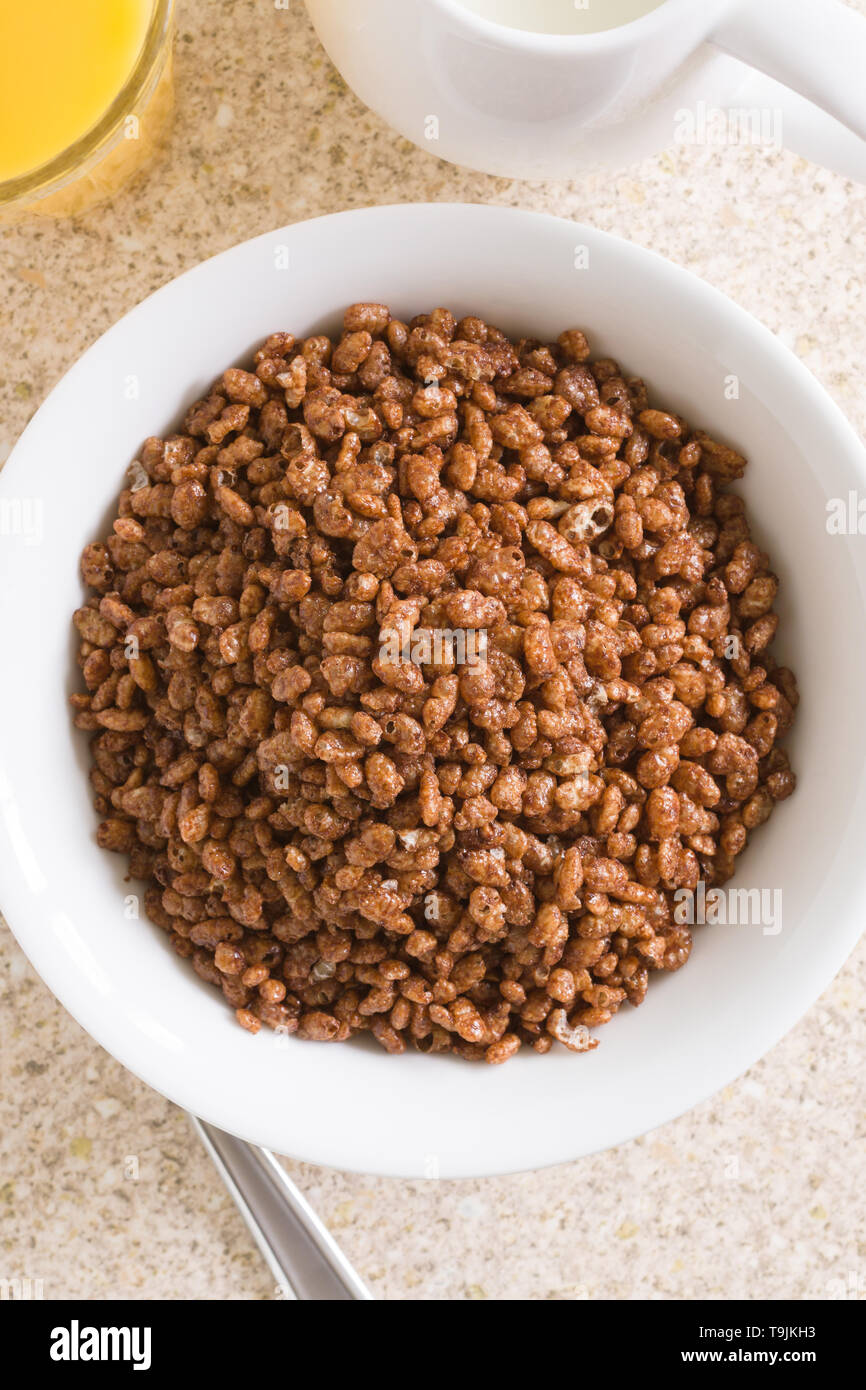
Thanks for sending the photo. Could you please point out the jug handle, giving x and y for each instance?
(815, 47)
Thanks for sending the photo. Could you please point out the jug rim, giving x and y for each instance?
(619, 36)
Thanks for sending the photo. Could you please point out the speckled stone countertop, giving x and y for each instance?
(104, 1191)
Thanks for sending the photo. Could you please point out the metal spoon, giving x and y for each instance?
(300, 1251)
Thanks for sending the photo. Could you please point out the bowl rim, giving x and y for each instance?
(524, 1153)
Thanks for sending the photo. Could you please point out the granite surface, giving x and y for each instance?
(104, 1192)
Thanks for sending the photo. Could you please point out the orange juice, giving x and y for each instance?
(62, 64)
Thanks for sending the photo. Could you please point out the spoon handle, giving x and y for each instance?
(300, 1251)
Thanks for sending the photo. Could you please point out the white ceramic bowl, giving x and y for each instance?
(352, 1106)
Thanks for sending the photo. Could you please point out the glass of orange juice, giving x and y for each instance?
(85, 96)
